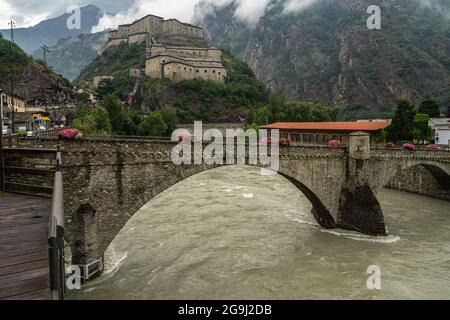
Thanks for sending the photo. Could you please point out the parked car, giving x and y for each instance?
(29, 133)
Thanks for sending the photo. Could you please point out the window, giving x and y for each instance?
(206, 71)
(197, 71)
(214, 71)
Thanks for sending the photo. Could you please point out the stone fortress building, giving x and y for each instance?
(174, 49)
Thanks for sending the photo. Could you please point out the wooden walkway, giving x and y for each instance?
(24, 266)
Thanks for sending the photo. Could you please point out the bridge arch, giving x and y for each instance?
(87, 223)
(422, 178)
(418, 172)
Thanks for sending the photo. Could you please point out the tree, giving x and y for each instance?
(402, 127)
(170, 118)
(431, 108)
(422, 130)
(105, 88)
(82, 98)
(448, 110)
(116, 114)
(132, 120)
(92, 121)
(153, 125)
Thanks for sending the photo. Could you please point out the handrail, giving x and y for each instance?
(56, 235)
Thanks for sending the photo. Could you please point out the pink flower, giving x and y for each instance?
(335, 144)
(409, 146)
(433, 147)
(285, 141)
(266, 141)
(182, 136)
(68, 134)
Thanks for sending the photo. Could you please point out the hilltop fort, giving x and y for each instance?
(174, 49)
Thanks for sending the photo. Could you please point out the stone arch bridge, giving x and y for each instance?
(107, 181)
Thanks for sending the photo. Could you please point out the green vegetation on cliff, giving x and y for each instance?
(115, 62)
(33, 80)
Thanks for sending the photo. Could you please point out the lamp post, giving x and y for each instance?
(2, 164)
(11, 77)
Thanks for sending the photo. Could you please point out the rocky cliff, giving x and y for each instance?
(325, 52)
(33, 81)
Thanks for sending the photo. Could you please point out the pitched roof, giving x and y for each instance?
(329, 126)
(440, 121)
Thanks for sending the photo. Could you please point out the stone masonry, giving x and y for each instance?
(107, 181)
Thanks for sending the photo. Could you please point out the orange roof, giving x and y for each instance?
(329, 126)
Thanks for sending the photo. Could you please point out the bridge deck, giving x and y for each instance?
(24, 266)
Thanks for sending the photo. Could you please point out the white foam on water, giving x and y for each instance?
(248, 195)
(114, 260)
(353, 236)
(363, 237)
(310, 223)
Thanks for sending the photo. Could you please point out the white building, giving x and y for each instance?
(441, 130)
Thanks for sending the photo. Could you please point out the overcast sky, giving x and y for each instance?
(30, 12)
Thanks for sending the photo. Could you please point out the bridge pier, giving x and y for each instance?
(359, 208)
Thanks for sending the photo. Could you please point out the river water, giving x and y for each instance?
(231, 233)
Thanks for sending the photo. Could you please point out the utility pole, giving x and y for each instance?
(13, 25)
(45, 49)
(11, 77)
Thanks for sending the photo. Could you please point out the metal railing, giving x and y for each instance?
(56, 235)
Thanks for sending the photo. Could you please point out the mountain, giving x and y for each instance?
(71, 55)
(326, 53)
(50, 31)
(36, 83)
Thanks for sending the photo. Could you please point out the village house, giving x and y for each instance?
(94, 83)
(7, 102)
(321, 133)
(441, 130)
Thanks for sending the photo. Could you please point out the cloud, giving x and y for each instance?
(248, 11)
(297, 5)
(182, 10)
(28, 13)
